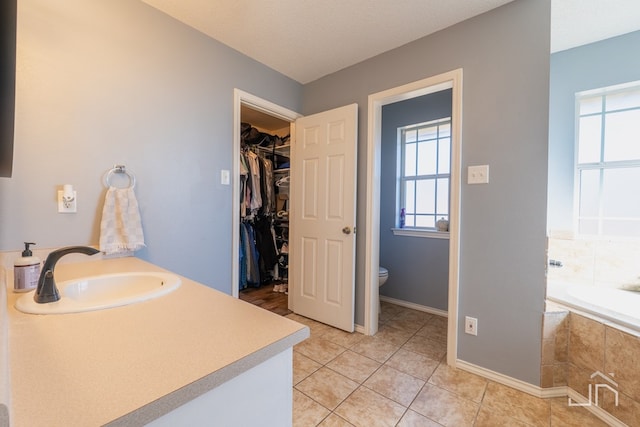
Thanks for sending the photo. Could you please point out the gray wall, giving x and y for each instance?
(116, 81)
(419, 267)
(505, 57)
(596, 65)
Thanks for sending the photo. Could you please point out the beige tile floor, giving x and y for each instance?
(399, 377)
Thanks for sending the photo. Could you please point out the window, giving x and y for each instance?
(424, 172)
(608, 162)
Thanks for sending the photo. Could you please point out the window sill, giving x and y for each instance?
(417, 232)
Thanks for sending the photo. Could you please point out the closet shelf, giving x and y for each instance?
(281, 150)
(282, 170)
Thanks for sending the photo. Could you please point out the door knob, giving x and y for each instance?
(346, 230)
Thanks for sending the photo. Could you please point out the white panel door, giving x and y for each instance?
(323, 217)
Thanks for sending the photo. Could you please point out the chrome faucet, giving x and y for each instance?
(47, 291)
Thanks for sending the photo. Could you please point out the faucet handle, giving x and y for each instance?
(47, 291)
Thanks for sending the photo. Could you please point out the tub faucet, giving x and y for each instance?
(47, 291)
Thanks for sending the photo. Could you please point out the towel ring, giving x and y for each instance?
(119, 169)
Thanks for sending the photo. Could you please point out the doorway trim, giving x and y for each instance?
(244, 98)
(449, 80)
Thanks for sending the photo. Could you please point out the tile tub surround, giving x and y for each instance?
(575, 347)
(596, 347)
(555, 347)
(594, 262)
(130, 365)
(591, 266)
(399, 377)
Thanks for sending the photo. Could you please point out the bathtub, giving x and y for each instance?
(614, 306)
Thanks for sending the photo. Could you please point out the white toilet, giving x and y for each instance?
(383, 275)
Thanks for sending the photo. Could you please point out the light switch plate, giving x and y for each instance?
(478, 174)
(224, 177)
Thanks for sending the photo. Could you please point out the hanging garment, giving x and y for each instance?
(243, 258)
(254, 168)
(253, 257)
(266, 185)
(269, 197)
(245, 191)
(264, 243)
(263, 209)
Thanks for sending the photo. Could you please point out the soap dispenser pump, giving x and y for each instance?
(26, 270)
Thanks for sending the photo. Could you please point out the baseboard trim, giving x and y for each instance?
(544, 393)
(414, 306)
(359, 328)
(511, 382)
(595, 410)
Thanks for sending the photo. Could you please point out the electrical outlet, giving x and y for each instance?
(478, 174)
(67, 206)
(471, 325)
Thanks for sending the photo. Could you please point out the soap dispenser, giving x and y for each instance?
(26, 270)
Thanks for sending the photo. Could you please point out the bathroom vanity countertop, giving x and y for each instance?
(129, 365)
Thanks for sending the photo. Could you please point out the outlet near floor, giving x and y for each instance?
(471, 325)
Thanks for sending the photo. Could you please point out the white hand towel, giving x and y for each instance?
(121, 226)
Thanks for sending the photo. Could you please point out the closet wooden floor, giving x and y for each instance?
(266, 298)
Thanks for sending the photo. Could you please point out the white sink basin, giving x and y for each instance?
(103, 291)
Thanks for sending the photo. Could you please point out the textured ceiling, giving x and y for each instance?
(578, 22)
(308, 39)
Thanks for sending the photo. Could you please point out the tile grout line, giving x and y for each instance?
(482, 403)
(362, 384)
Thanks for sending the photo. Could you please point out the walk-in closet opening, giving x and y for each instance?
(264, 177)
(311, 214)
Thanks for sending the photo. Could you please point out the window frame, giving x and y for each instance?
(402, 179)
(601, 165)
